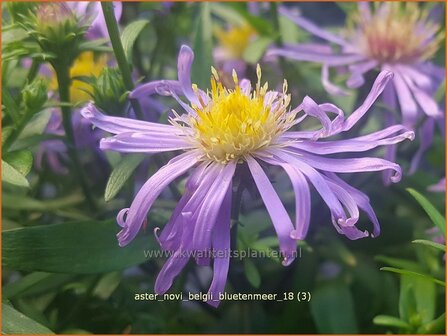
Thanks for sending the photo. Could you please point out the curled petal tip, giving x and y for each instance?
(87, 112)
(120, 218)
(411, 135)
(396, 177)
(288, 260)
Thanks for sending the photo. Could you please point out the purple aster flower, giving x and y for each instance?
(93, 11)
(224, 128)
(395, 37)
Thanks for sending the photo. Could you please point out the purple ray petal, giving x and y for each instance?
(360, 144)
(348, 203)
(221, 247)
(406, 101)
(137, 142)
(438, 187)
(208, 214)
(160, 87)
(357, 71)
(118, 125)
(354, 165)
(317, 181)
(330, 87)
(361, 199)
(172, 267)
(365, 11)
(306, 55)
(313, 28)
(302, 197)
(149, 193)
(184, 63)
(379, 84)
(281, 220)
(168, 238)
(425, 101)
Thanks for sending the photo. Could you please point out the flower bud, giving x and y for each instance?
(57, 29)
(35, 95)
(109, 92)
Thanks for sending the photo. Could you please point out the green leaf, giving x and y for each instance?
(400, 263)
(12, 176)
(107, 285)
(332, 309)
(417, 302)
(390, 321)
(86, 247)
(22, 161)
(203, 47)
(252, 273)
(121, 174)
(255, 50)
(19, 202)
(440, 93)
(431, 211)
(36, 125)
(14, 322)
(17, 287)
(430, 243)
(405, 272)
(130, 35)
(10, 106)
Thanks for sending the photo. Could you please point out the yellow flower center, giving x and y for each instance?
(235, 40)
(402, 34)
(84, 66)
(236, 122)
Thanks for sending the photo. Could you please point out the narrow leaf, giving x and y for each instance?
(12, 176)
(252, 273)
(430, 243)
(22, 161)
(405, 272)
(130, 35)
(14, 322)
(86, 247)
(256, 49)
(121, 174)
(390, 321)
(431, 211)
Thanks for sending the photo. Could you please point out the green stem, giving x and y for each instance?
(112, 28)
(279, 42)
(33, 71)
(63, 80)
(276, 26)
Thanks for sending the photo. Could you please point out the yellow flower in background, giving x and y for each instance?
(86, 65)
(235, 40)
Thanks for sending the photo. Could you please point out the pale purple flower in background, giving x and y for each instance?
(400, 38)
(224, 128)
(53, 153)
(438, 187)
(92, 10)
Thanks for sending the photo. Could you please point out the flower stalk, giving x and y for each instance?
(63, 80)
(115, 39)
